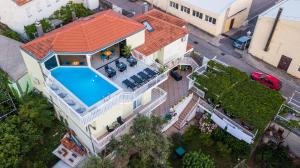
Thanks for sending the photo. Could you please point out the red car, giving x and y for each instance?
(267, 80)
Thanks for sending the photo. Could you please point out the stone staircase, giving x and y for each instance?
(185, 112)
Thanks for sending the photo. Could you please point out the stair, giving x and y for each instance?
(185, 112)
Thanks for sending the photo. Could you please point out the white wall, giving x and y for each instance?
(16, 17)
(175, 49)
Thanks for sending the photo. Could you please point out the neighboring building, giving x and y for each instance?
(19, 13)
(71, 66)
(12, 63)
(212, 16)
(278, 44)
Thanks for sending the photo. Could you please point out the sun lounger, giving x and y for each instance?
(150, 72)
(62, 95)
(70, 102)
(54, 87)
(144, 76)
(129, 84)
(137, 80)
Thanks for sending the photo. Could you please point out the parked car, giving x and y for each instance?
(176, 75)
(267, 80)
(242, 42)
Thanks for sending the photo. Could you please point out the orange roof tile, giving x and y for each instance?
(21, 2)
(189, 47)
(84, 35)
(165, 31)
(167, 17)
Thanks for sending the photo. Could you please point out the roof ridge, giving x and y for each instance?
(184, 29)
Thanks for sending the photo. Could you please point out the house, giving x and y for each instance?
(19, 13)
(276, 37)
(96, 89)
(12, 63)
(212, 16)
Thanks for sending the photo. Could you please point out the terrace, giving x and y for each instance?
(289, 117)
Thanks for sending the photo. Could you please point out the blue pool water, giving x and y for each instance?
(84, 83)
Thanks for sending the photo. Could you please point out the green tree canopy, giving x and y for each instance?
(197, 160)
(97, 162)
(145, 143)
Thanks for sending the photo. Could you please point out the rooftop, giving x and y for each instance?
(10, 56)
(21, 2)
(166, 29)
(215, 6)
(84, 35)
(290, 10)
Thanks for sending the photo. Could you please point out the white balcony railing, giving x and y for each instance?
(158, 97)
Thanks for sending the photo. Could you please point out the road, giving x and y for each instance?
(226, 53)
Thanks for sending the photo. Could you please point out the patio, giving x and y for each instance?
(129, 72)
(176, 91)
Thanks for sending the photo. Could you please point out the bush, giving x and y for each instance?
(11, 34)
(197, 160)
(46, 25)
(30, 30)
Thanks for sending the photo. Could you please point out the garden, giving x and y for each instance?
(239, 97)
(64, 14)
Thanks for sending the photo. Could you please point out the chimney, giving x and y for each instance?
(39, 29)
(74, 15)
(146, 7)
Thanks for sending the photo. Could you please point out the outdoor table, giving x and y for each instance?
(180, 151)
(107, 53)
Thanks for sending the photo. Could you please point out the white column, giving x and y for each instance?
(88, 58)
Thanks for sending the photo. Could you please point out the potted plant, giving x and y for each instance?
(126, 51)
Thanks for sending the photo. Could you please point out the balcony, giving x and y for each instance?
(158, 97)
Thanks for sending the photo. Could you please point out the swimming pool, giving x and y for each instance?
(84, 83)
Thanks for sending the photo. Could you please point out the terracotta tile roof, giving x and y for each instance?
(84, 35)
(167, 17)
(165, 31)
(21, 2)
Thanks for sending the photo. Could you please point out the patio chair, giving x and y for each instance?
(132, 61)
(121, 66)
(129, 84)
(82, 63)
(102, 56)
(120, 120)
(109, 129)
(150, 72)
(110, 71)
(144, 76)
(67, 63)
(137, 80)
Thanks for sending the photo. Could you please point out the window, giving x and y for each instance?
(210, 19)
(28, 12)
(214, 20)
(197, 14)
(137, 103)
(148, 26)
(174, 5)
(51, 63)
(185, 9)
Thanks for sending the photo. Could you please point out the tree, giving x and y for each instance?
(145, 143)
(97, 162)
(35, 107)
(198, 160)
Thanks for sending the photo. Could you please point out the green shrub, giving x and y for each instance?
(198, 160)
(46, 25)
(30, 30)
(11, 34)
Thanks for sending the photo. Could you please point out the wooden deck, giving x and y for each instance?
(176, 90)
